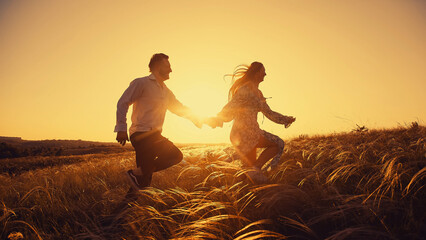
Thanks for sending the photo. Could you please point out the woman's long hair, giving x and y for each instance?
(242, 75)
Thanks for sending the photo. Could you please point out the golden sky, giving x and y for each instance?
(331, 64)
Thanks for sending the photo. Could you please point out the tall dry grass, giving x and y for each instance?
(359, 185)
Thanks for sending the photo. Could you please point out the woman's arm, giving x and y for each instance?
(227, 112)
(272, 115)
(238, 101)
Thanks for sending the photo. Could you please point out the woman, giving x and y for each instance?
(244, 102)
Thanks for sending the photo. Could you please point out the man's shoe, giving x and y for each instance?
(133, 180)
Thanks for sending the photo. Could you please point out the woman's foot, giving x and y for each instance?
(256, 176)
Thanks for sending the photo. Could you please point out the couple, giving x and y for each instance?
(151, 98)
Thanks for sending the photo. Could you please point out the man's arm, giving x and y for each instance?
(181, 110)
(133, 92)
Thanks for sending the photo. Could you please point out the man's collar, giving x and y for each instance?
(152, 77)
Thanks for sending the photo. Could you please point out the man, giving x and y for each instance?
(150, 98)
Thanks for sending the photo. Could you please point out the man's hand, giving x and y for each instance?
(122, 137)
(197, 122)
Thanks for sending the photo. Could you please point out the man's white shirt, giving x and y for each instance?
(150, 100)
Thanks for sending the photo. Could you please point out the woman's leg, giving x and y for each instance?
(249, 158)
(274, 149)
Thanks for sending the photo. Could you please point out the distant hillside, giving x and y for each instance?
(11, 139)
(13, 147)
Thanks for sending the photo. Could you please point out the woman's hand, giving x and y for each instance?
(290, 121)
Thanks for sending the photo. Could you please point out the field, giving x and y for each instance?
(357, 185)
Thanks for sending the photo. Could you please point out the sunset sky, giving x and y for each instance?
(331, 64)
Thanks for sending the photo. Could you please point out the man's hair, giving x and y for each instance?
(155, 59)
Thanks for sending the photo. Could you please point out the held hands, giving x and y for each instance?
(122, 137)
(213, 122)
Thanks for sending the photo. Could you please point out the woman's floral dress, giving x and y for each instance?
(245, 134)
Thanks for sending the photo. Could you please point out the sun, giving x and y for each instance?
(204, 99)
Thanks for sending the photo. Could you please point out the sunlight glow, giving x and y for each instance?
(203, 99)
